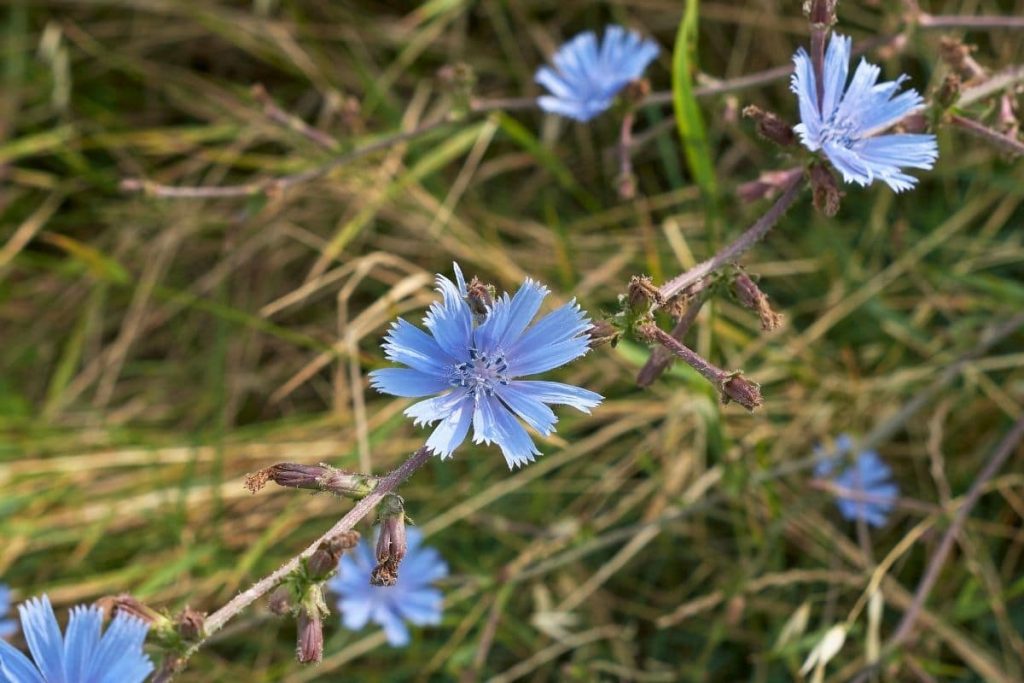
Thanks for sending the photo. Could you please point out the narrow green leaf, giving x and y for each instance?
(692, 132)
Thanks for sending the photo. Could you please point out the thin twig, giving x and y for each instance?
(661, 358)
(1002, 142)
(999, 457)
(388, 484)
(731, 385)
(955, 21)
(272, 185)
(736, 249)
(287, 120)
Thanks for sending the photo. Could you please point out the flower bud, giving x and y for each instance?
(112, 605)
(310, 640)
(480, 298)
(315, 478)
(636, 91)
(391, 543)
(743, 391)
(190, 624)
(602, 332)
(309, 647)
(824, 190)
(642, 292)
(280, 601)
(324, 559)
(821, 12)
(767, 184)
(751, 296)
(949, 92)
(770, 127)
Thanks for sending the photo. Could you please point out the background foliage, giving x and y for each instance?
(153, 351)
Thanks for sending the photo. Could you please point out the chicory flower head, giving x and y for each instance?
(412, 599)
(587, 76)
(868, 480)
(82, 654)
(846, 124)
(475, 368)
(7, 626)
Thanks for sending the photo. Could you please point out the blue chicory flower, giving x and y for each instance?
(82, 654)
(868, 479)
(7, 626)
(412, 599)
(588, 76)
(846, 125)
(475, 368)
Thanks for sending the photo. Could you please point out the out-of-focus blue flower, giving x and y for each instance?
(82, 654)
(474, 367)
(413, 599)
(7, 626)
(846, 125)
(588, 76)
(868, 480)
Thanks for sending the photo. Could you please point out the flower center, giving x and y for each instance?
(842, 131)
(481, 373)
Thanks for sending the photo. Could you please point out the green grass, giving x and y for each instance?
(153, 351)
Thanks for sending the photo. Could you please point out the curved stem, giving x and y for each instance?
(217, 620)
(742, 243)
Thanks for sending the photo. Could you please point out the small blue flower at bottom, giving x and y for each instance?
(475, 368)
(82, 654)
(7, 626)
(588, 76)
(412, 599)
(846, 124)
(872, 494)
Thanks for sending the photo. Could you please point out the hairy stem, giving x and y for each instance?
(731, 385)
(742, 243)
(1002, 142)
(215, 621)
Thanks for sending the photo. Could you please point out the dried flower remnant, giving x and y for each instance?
(413, 599)
(847, 121)
(865, 490)
(82, 653)
(474, 368)
(588, 73)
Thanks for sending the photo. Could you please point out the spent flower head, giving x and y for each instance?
(83, 654)
(846, 124)
(865, 487)
(588, 74)
(412, 599)
(475, 368)
(7, 626)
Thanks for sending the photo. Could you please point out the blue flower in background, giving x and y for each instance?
(82, 655)
(868, 479)
(413, 599)
(475, 368)
(846, 125)
(588, 76)
(7, 626)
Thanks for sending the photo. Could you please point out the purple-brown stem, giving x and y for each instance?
(822, 15)
(286, 120)
(731, 385)
(1004, 143)
(739, 246)
(388, 484)
(661, 358)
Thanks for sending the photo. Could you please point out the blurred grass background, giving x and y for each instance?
(153, 351)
